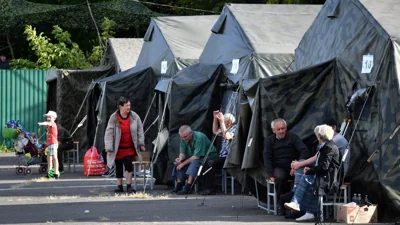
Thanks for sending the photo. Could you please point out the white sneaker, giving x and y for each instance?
(292, 206)
(306, 217)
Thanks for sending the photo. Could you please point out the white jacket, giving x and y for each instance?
(112, 136)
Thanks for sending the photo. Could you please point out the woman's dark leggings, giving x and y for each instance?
(119, 166)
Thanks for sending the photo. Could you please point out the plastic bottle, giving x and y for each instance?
(366, 200)
(354, 199)
(359, 199)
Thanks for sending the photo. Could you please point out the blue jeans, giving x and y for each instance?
(190, 169)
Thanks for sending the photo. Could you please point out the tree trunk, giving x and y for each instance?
(137, 32)
(10, 46)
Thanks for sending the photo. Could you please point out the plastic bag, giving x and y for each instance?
(92, 164)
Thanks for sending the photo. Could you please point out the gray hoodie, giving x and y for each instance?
(112, 136)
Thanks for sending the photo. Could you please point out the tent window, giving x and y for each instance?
(333, 11)
(218, 27)
(149, 34)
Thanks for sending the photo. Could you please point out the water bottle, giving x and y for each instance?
(359, 199)
(354, 199)
(366, 200)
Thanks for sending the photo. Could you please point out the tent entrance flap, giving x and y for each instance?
(99, 109)
(163, 133)
(160, 142)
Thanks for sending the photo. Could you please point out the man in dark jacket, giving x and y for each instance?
(65, 142)
(280, 149)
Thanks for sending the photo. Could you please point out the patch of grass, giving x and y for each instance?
(20, 185)
(103, 218)
(53, 197)
(19, 199)
(164, 196)
(105, 194)
(42, 179)
(138, 195)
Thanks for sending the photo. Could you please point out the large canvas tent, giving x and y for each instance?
(362, 37)
(303, 98)
(123, 52)
(175, 42)
(67, 92)
(192, 95)
(172, 43)
(103, 95)
(264, 49)
(261, 37)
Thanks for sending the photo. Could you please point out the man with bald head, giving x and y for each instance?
(280, 149)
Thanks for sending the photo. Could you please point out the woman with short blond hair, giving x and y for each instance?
(323, 175)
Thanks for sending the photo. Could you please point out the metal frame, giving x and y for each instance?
(225, 184)
(143, 165)
(270, 194)
(74, 158)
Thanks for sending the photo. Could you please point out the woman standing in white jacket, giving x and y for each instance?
(124, 139)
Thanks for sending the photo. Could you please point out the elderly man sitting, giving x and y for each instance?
(193, 147)
(280, 149)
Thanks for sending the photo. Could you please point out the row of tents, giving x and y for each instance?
(303, 63)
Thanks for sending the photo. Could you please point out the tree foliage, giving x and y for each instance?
(62, 52)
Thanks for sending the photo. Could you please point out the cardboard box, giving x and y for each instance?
(357, 214)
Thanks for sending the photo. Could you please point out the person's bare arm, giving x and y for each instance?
(215, 126)
(215, 123)
(296, 164)
(44, 123)
(187, 161)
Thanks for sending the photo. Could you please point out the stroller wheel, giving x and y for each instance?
(20, 170)
(28, 171)
(43, 169)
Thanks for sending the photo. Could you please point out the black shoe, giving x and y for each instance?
(292, 214)
(177, 188)
(184, 190)
(208, 192)
(129, 189)
(120, 189)
(281, 211)
(56, 176)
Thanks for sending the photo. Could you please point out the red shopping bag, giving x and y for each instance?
(92, 165)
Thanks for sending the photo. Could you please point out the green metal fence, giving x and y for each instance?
(23, 95)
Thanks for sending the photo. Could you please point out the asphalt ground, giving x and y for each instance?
(77, 199)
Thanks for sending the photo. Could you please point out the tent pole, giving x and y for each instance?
(148, 111)
(201, 167)
(80, 108)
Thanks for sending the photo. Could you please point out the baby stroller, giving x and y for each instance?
(28, 150)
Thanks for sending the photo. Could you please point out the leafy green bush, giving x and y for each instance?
(4, 149)
(62, 53)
